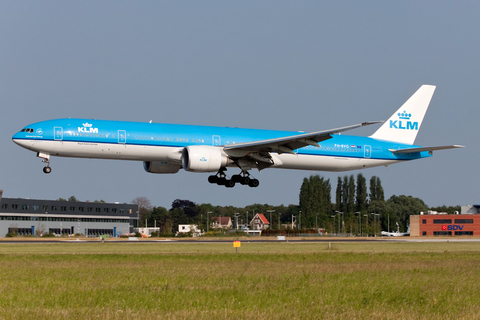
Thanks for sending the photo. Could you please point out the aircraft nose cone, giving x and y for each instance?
(18, 141)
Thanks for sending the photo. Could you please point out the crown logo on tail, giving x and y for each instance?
(404, 115)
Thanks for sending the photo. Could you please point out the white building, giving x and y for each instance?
(186, 228)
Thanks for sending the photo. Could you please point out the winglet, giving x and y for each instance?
(404, 124)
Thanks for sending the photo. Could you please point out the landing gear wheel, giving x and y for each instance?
(47, 169)
(229, 183)
(221, 181)
(254, 183)
(213, 179)
(237, 178)
(246, 181)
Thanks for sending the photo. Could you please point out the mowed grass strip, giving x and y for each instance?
(263, 281)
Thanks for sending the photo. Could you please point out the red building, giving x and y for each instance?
(445, 225)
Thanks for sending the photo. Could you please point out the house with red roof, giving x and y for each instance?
(259, 222)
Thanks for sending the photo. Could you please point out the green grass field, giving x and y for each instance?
(263, 281)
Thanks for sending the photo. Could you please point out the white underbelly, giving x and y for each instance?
(328, 163)
(104, 150)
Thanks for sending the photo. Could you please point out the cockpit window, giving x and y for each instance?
(29, 130)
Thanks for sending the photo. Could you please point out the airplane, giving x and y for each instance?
(396, 234)
(167, 148)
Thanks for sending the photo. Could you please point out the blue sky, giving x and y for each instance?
(309, 65)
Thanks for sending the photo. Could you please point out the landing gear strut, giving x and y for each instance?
(47, 168)
(243, 178)
(46, 160)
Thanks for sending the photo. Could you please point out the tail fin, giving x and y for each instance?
(404, 124)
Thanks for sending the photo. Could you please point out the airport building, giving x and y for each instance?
(439, 224)
(92, 219)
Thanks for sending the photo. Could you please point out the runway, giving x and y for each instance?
(206, 241)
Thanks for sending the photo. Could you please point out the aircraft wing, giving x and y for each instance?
(420, 149)
(287, 144)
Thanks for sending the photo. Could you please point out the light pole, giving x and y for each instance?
(278, 214)
(372, 213)
(366, 226)
(236, 220)
(359, 223)
(374, 224)
(333, 223)
(339, 212)
(388, 222)
(271, 224)
(299, 220)
(316, 218)
(208, 221)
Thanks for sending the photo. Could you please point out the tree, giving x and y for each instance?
(345, 194)
(400, 208)
(188, 207)
(351, 194)
(72, 199)
(315, 201)
(361, 193)
(161, 215)
(338, 195)
(376, 205)
(377, 201)
(144, 209)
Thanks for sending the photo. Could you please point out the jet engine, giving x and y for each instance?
(161, 167)
(203, 159)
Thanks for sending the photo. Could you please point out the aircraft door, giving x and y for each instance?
(216, 140)
(368, 152)
(58, 133)
(122, 136)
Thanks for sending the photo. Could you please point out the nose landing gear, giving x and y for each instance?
(46, 160)
(47, 168)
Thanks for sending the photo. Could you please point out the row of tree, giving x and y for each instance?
(357, 209)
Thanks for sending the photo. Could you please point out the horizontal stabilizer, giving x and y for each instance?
(420, 149)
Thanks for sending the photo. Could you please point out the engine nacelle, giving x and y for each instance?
(203, 159)
(160, 167)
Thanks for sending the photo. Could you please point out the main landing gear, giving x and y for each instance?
(243, 178)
